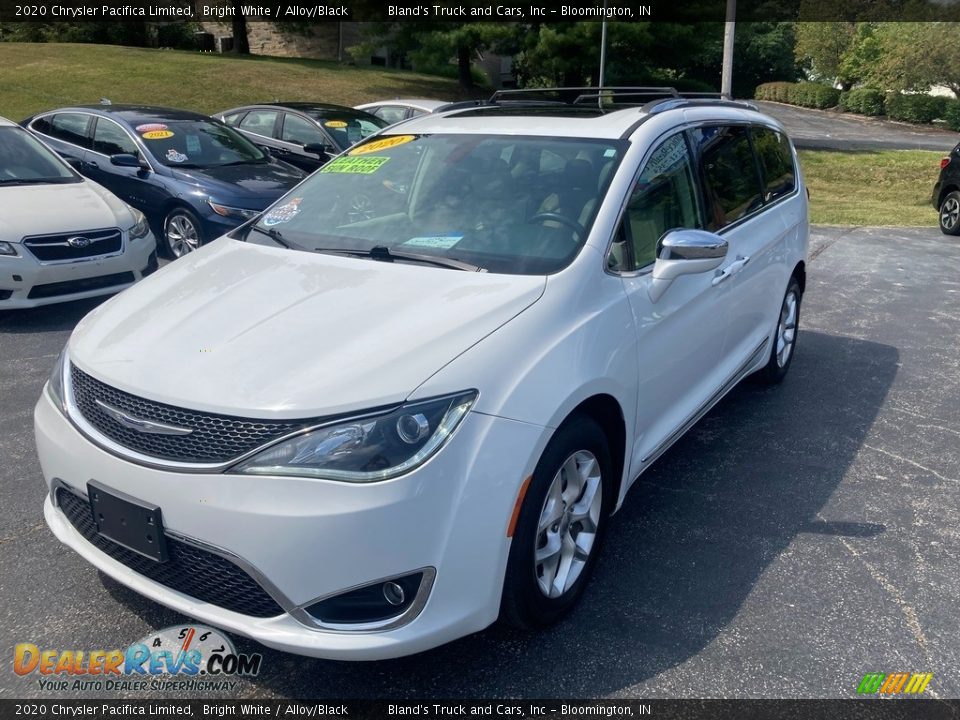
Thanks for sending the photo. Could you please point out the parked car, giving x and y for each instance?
(303, 134)
(393, 111)
(62, 237)
(192, 176)
(946, 193)
(392, 425)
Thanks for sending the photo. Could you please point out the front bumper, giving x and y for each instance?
(25, 282)
(304, 539)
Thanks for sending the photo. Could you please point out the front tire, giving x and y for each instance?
(950, 214)
(560, 528)
(181, 233)
(785, 337)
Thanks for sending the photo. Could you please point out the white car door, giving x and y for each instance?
(681, 332)
(743, 196)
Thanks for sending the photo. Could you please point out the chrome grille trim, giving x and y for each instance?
(54, 249)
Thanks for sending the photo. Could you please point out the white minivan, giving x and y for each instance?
(62, 237)
(410, 395)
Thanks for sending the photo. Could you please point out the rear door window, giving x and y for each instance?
(261, 122)
(72, 128)
(301, 132)
(776, 162)
(731, 178)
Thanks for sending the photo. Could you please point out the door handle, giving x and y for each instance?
(91, 164)
(730, 270)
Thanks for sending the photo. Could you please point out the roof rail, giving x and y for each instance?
(574, 95)
(703, 100)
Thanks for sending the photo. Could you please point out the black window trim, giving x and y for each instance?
(763, 179)
(93, 139)
(92, 119)
(54, 113)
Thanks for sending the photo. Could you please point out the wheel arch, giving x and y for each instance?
(944, 191)
(800, 273)
(605, 410)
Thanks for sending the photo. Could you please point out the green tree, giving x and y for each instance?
(822, 46)
(917, 56)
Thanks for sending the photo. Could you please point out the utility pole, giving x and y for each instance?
(603, 54)
(726, 80)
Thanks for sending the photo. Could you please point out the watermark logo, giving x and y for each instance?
(180, 650)
(894, 683)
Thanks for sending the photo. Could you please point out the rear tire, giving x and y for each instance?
(560, 528)
(785, 337)
(950, 213)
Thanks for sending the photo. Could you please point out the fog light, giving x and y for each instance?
(377, 602)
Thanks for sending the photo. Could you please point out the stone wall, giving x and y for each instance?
(265, 38)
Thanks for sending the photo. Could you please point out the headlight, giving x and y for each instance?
(232, 212)
(7, 248)
(368, 448)
(140, 225)
(55, 383)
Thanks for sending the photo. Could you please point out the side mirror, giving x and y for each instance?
(125, 160)
(319, 149)
(685, 252)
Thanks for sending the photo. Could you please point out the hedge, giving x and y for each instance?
(915, 108)
(806, 94)
(952, 114)
(865, 101)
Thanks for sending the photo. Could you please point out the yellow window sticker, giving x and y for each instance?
(157, 135)
(335, 123)
(382, 144)
(354, 166)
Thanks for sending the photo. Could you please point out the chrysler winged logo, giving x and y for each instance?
(141, 425)
(78, 242)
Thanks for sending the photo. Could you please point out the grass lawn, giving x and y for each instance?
(40, 76)
(883, 187)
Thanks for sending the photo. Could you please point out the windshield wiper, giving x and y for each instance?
(382, 252)
(277, 237)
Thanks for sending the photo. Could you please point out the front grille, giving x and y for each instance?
(87, 244)
(190, 570)
(215, 438)
(69, 287)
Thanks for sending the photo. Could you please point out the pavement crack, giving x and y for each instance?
(912, 462)
(816, 253)
(908, 611)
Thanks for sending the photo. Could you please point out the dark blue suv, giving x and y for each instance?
(194, 177)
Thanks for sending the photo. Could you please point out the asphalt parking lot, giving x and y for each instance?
(797, 538)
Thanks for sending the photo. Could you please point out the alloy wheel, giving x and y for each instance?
(787, 328)
(949, 213)
(182, 235)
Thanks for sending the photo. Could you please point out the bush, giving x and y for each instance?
(807, 94)
(952, 114)
(916, 108)
(774, 91)
(814, 95)
(866, 101)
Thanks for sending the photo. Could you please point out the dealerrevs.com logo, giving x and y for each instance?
(184, 652)
(894, 683)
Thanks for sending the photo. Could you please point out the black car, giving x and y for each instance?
(194, 177)
(303, 134)
(946, 193)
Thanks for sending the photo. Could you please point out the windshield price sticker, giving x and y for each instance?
(438, 242)
(157, 135)
(382, 144)
(354, 165)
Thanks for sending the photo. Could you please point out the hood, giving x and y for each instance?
(255, 331)
(47, 209)
(256, 185)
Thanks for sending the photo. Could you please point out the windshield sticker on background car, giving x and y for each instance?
(438, 242)
(285, 213)
(150, 127)
(175, 156)
(354, 166)
(335, 124)
(193, 144)
(382, 144)
(156, 135)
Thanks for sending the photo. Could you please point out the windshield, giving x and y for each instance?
(519, 205)
(198, 144)
(348, 128)
(25, 161)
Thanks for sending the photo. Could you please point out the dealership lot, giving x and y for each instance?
(796, 539)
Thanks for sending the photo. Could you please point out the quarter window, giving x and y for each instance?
(776, 161)
(110, 139)
(71, 128)
(664, 198)
(391, 113)
(732, 184)
(260, 122)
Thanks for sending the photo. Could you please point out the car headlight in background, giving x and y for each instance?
(232, 212)
(7, 248)
(55, 383)
(367, 448)
(140, 225)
